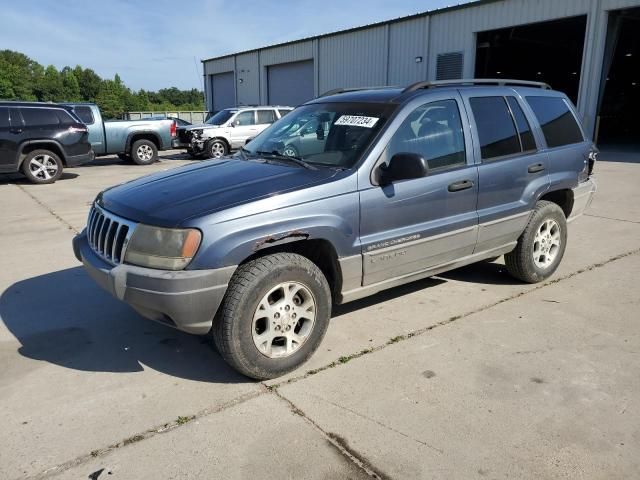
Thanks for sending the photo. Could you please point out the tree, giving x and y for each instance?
(71, 87)
(89, 83)
(51, 86)
(109, 100)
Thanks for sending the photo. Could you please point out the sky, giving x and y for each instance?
(157, 44)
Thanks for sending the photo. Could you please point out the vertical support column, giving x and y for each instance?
(592, 62)
(235, 80)
(387, 47)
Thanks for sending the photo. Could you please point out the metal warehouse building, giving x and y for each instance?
(590, 49)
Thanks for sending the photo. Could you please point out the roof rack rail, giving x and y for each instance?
(336, 91)
(476, 81)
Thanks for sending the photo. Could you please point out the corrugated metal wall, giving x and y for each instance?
(353, 59)
(407, 41)
(385, 54)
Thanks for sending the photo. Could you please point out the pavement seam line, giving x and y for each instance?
(610, 218)
(50, 210)
(339, 444)
(421, 331)
(150, 433)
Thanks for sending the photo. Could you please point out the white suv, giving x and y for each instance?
(227, 130)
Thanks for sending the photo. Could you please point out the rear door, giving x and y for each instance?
(512, 169)
(413, 225)
(264, 118)
(8, 145)
(244, 127)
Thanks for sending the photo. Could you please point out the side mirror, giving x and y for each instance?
(403, 166)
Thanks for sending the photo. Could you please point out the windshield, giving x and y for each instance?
(331, 134)
(221, 117)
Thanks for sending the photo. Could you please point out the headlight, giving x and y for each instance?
(164, 248)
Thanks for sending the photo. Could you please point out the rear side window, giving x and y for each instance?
(39, 116)
(84, 114)
(283, 112)
(524, 129)
(558, 123)
(497, 133)
(245, 118)
(266, 116)
(4, 117)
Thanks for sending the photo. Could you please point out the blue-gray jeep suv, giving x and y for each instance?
(394, 185)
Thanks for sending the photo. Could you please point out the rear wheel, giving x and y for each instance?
(274, 315)
(42, 166)
(144, 152)
(541, 246)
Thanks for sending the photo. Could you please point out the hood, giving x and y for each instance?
(200, 126)
(169, 198)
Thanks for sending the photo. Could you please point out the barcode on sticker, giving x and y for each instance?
(357, 121)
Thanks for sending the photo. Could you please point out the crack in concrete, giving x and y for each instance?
(611, 218)
(377, 422)
(152, 432)
(49, 210)
(338, 443)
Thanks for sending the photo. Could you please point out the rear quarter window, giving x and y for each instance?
(558, 123)
(84, 114)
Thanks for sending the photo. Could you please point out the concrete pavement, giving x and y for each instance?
(401, 387)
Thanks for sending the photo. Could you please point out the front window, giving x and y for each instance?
(221, 117)
(331, 134)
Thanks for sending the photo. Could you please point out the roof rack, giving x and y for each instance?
(336, 91)
(476, 81)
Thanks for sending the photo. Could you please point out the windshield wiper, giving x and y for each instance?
(293, 159)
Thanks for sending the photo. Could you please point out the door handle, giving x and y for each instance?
(535, 168)
(16, 130)
(461, 185)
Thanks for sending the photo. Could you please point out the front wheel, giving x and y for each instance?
(541, 246)
(216, 149)
(42, 166)
(274, 315)
(144, 152)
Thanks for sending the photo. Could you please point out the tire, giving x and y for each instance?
(262, 283)
(541, 246)
(216, 148)
(42, 166)
(144, 152)
(290, 151)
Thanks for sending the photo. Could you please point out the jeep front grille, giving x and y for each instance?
(108, 234)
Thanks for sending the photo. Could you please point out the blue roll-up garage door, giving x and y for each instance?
(224, 94)
(290, 83)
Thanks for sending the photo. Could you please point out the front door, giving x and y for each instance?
(415, 225)
(244, 128)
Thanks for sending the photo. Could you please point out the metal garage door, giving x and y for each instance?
(290, 83)
(224, 94)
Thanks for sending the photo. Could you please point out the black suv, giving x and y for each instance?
(40, 139)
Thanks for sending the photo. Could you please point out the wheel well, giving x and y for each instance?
(143, 136)
(562, 198)
(42, 146)
(318, 251)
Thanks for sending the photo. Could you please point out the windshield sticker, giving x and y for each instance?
(357, 121)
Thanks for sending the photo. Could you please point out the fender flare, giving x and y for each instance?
(129, 142)
(46, 141)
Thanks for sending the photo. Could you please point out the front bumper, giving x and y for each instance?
(74, 161)
(582, 197)
(187, 299)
